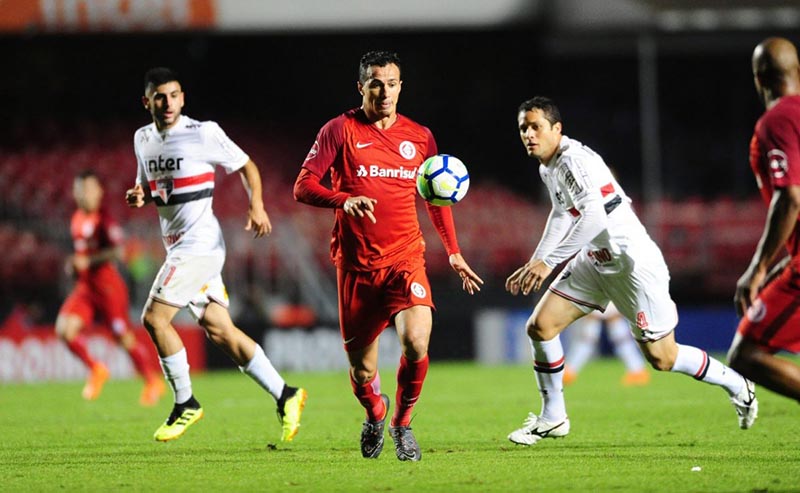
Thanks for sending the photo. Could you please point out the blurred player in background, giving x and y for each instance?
(100, 291)
(176, 158)
(770, 301)
(372, 154)
(615, 260)
(585, 339)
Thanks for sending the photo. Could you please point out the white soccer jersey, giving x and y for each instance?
(590, 212)
(176, 167)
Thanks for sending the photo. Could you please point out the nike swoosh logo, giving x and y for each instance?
(359, 145)
(751, 394)
(544, 433)
(348, 341)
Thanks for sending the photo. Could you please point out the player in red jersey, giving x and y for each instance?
(770, 301)
(372, 153)
(100, 290)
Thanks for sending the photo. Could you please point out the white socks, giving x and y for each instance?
(625, 347)
(261, 370)
(548, 366)
(176, 371)
(583, 341)
(697, 364)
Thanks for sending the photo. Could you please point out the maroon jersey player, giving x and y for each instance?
(100, 292)
(770, 300)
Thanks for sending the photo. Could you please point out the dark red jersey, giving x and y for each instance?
(775, 153)
(93, 232)
(378, 163)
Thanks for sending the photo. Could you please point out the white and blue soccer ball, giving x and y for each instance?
(442, 180)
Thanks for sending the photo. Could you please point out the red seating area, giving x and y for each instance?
(498, 230)
(29, 264)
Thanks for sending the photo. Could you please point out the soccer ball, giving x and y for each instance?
(442, 180)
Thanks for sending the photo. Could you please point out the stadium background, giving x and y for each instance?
(661, 88)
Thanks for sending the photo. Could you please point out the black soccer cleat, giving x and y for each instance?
(405, 444)
(372, 434)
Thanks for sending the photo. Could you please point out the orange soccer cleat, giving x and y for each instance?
(636, 378)
(569, 376)
(95, 381)
(153, 389)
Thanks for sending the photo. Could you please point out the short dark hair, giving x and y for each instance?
(157, 76)
(86, 173)
(375, 59)
(546, 105)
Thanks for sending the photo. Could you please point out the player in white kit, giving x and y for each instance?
(176, 158)
(615, 260)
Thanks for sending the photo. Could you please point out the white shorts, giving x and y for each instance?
(191, 281)
(641, 294)
(610, 313)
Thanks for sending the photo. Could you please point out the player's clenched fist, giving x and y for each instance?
(135, 196)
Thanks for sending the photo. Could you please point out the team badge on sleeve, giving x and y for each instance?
(778, 163)
(312, 153)
(418, 290)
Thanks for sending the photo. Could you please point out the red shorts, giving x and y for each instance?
(369, 300)
(773, 321)
(109, 301)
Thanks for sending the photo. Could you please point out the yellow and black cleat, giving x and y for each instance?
(179, 420)
(290, 414)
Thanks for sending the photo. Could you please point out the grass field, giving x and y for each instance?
(622, 439)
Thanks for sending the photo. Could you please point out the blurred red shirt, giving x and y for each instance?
(93, 232)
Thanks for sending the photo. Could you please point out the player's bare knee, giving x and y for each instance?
(62, 330)
(660, 362)
(363, 375)
(415, 346)
(68, 326)
(126, 339)
(540, 332)
(153, 323)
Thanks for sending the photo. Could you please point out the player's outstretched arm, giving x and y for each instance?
(470, 281)
(257, 218)
(781, 221)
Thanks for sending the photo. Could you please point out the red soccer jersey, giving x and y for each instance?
(382, 164)
(91, 233)
(775, 154)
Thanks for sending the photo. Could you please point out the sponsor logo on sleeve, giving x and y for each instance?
(573, 186)
(312, 153)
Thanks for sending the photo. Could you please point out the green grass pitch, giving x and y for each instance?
(622, 439)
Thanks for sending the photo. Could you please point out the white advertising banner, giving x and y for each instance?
(254, 15)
